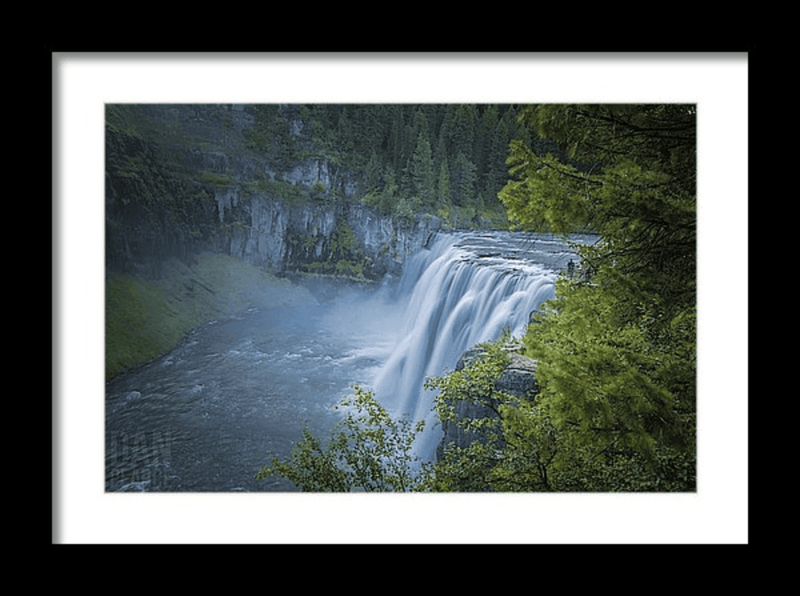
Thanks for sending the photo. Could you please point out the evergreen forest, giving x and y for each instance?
(441, 159)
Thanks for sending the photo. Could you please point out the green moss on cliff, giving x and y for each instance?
(285, 191)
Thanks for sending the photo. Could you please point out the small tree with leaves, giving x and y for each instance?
(368, 450)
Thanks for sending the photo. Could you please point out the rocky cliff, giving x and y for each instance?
(343, 238)
(518, 378)
(181, 179)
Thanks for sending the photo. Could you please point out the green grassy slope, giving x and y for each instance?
(146, 318)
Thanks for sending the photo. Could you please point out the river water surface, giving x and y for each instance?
(207, 415)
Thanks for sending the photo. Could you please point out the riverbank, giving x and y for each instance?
(146, 318)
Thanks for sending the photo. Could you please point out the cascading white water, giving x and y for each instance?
(465, 290)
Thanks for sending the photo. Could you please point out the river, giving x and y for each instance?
(207, 415)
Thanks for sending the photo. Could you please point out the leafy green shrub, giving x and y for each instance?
(318, 190)
(215, 178)
(368, 450)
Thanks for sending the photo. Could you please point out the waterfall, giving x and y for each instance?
(203, 416)
(466, 289)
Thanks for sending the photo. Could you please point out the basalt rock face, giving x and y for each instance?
(181, 179)
(519, 379)
(345, 239)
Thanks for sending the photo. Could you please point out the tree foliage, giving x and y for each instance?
(627, 173)
(612, 396)
(472, 387)
(421, 157)
(422, 176)
(617, 349)
(368, 450)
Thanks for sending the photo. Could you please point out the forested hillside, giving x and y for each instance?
(184, 178)
(411, 158)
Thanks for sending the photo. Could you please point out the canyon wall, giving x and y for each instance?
(181, 179)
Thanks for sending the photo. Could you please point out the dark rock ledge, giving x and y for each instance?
(519, 379)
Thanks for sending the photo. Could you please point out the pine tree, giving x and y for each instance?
(372, 173)
(462, 131)
(345, 136)
(484, 135)
(617, 349)
(495, 172)
(422, 177)
(463, 178)
(388, 196)
(443, 196)
(395, 141)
